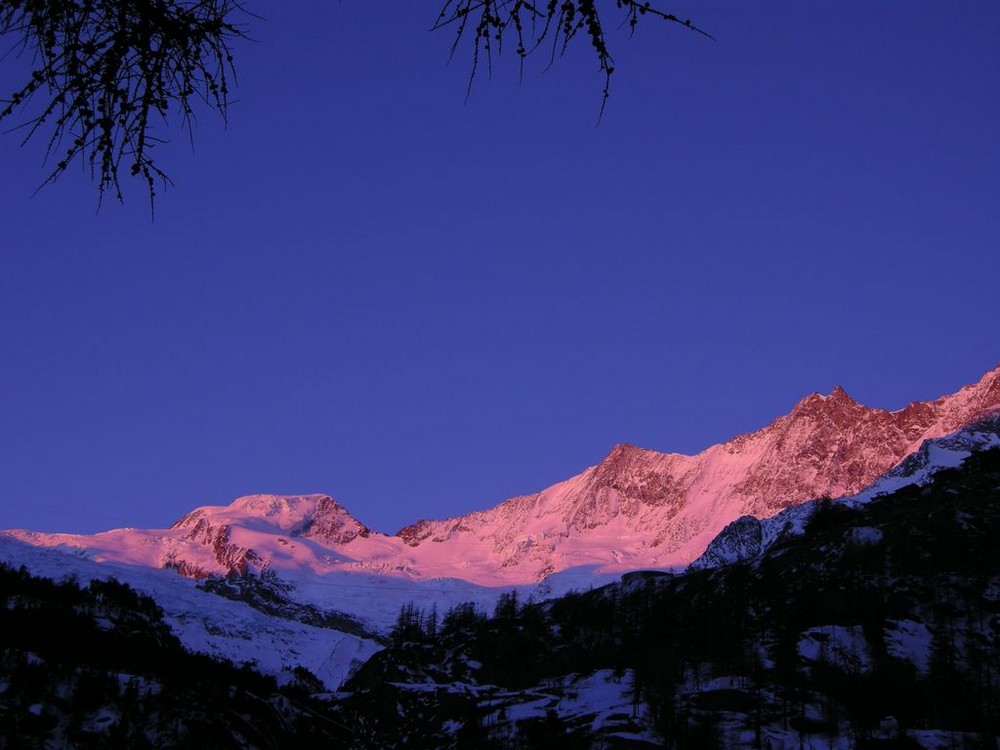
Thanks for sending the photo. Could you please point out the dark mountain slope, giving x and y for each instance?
(97, 667)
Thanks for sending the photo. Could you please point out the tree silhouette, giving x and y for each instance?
(106, 73)
(552, 25)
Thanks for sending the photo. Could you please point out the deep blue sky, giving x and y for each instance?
(367, 287)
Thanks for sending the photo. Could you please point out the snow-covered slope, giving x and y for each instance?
(635, 509)
(210, 624)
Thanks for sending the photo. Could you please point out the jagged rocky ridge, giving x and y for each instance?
(748, 537)
(637, 508)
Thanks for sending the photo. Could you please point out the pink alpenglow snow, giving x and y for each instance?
(635, 509)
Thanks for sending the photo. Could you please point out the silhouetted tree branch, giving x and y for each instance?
(546, 24)
(105, 74)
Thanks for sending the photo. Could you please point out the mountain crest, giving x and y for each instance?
(622, 456)
(636, 508)
(816, 403)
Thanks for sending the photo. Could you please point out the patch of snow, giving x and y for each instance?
(100, 721)
(844, 647)
(865, 535)
(910, 641)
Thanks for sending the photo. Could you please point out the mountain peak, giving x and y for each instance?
(295, 515)
(623, 456)
(839, 394)
(816, 403)
(620, 451)
(276, 506)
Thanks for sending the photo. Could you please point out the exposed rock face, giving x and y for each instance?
(643, 508)
(747, 536)
(637, 508)
(315, 517)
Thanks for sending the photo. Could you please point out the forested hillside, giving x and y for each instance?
(96, 667)
(879, 627)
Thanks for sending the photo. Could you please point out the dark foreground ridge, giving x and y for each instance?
(97, 667)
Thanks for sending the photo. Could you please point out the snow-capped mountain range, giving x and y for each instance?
(637, 508)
